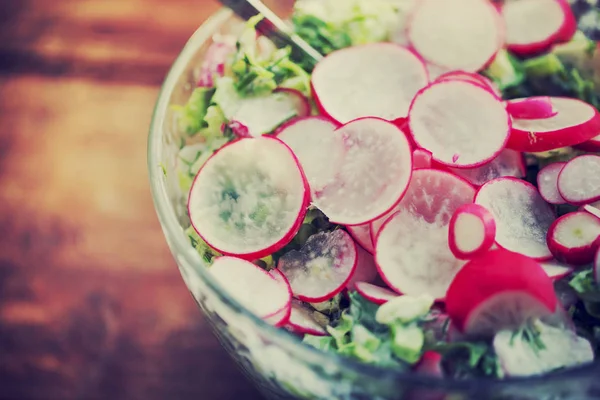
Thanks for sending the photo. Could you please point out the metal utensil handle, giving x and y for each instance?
(272, 26)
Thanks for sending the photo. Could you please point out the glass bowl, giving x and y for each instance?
(275, 360)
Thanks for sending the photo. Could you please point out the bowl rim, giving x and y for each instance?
(180, 245)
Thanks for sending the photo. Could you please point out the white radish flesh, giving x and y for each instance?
(579, 180)
(457, 34)
(594, 210)
(521, 214)
(376, 294)
(448, 118)
(411, 249)
(556, 270)
(533, 26)
(531, 108)
(472, 231)
(575, 237)
(547, 181)
(499, 290)
(421, 159)
(250, 198)
(322, 268)
(508, 163)
(575, 122)
(373, 176)
(376, 80)
(251, 286)
(302, 322)
(317, 147)
(362, 235)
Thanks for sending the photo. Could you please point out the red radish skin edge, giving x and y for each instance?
(565, 194)
(294, 121)
(430, 364)
(368, 247)
(421, 159)
(472, 77)
(592, 145)
(483, 278)
(475, 164)
(489, 227)
(302, 103)
(549, 190)
(531, 108)
(591, 209)
(293, 229)
(596, 271)
(303, 329)
(376, 294)
(576, 256)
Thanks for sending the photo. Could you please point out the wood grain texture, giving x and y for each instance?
(91, 303)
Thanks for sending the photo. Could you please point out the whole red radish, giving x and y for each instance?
(574, 238)
(472, 231)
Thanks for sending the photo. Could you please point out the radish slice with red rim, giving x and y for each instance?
(472, 231)
(457, 34)
(319, 150)
(258, 115)
(322, 268)
(447, 118)
(473, 78)
(574, 238)
(508, 163)
(532, 26)
(547, 181)
(499, 290)
(214, 61)
(579, 180)
(411, 249)
(421, 159)
(375, 294)
(302, 322)
(373, 174)
(366, 270)
(521, 214)
(373, 80)
(251, 286)
(592, 145)
(591, 209)
(531, 108)
(362, 235)
(575, 122)
(250, 198)
(556, 270)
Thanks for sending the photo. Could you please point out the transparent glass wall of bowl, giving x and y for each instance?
(276, 361)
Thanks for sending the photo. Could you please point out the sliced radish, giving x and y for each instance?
(547, 181)
(579, 180)
(301, 321)
(366, 270)
(472, 231)
(596, 270)
(556, 270)
(532, 26)
(411, 249)
(430, 364)
(575, 237)
(250, 198)
(322, 268)
(376, 294)
(473, 78)
(373, 80)
(457, 34)
(373, 175)
(508, 163)
(575, 122)
(251, 286)
(448, 118)
(592, 145)
(258, 115)
(362, 235)
(521, 214)
(421, 159)
(214, 61)
(591, 209)
(499, 290)
(318, 149)
(531, 108)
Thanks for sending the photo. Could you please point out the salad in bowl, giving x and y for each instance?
(416, 215)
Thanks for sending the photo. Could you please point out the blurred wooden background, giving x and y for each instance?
(91, 303)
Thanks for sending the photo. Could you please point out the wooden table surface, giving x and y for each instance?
(91, 303)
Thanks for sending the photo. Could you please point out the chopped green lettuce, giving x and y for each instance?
(469, 360)
(205, 251)
(190, 117)
(505, 71)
